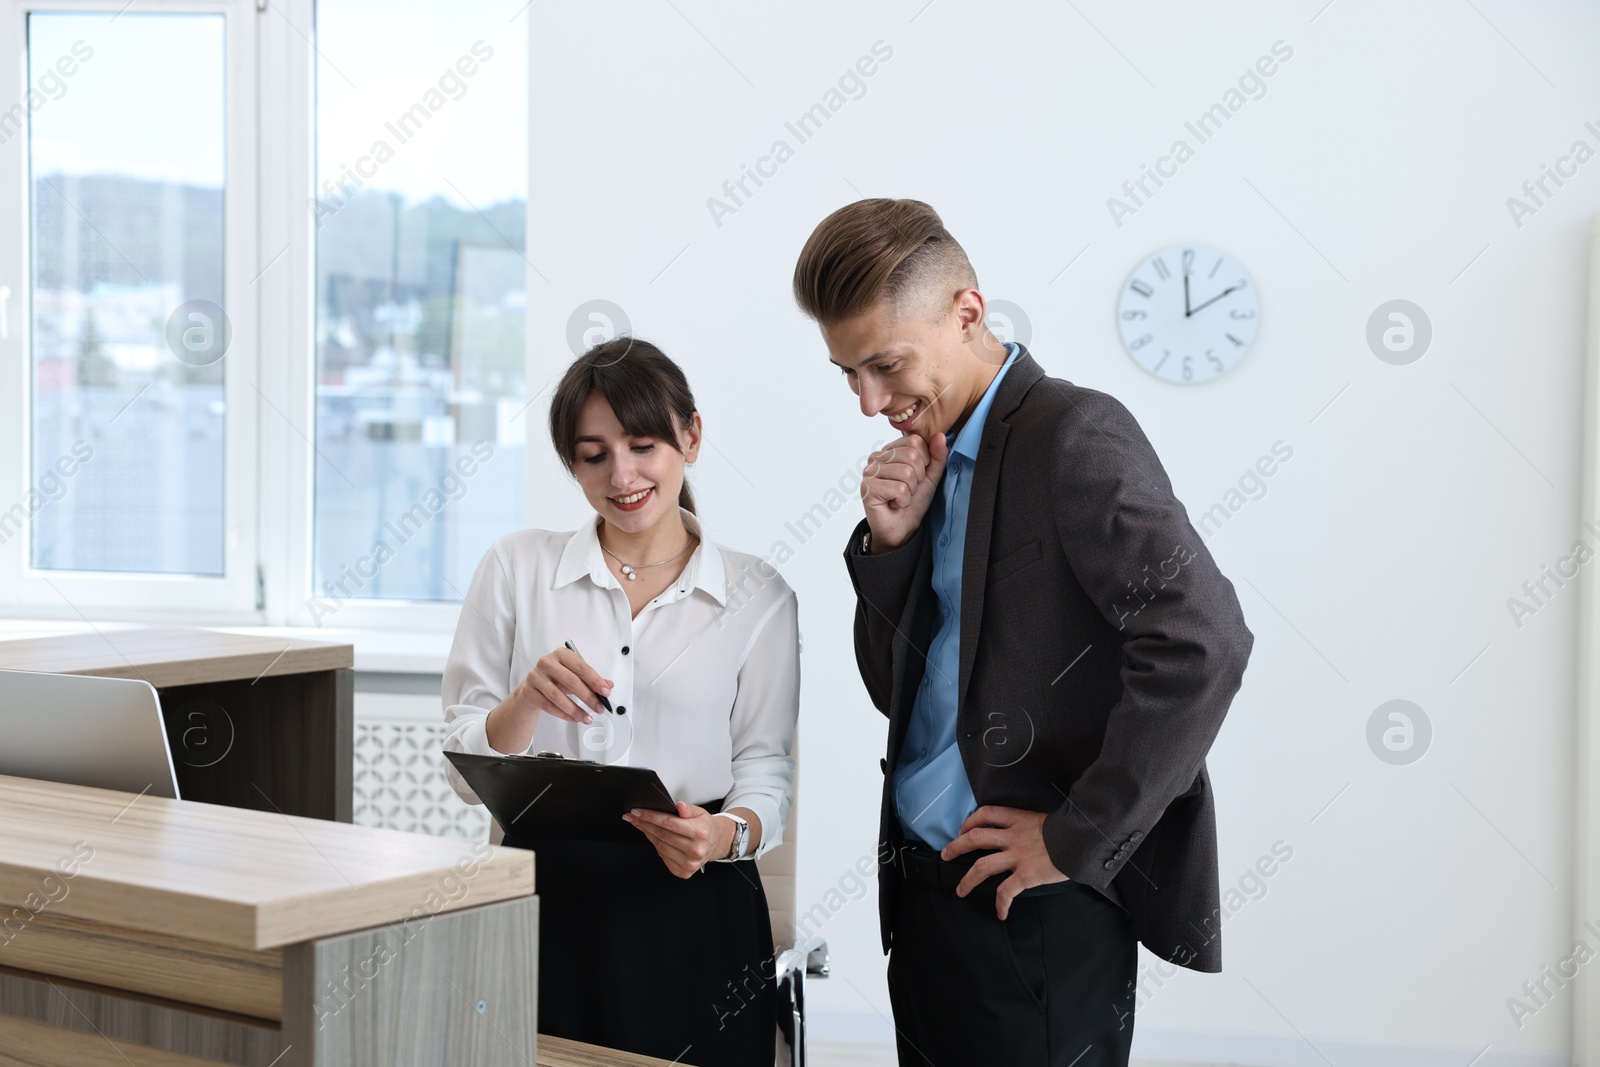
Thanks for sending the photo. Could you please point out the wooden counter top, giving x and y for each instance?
(26, 1044)
(229, 876)
(169, 656)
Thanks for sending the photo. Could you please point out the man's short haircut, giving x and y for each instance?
(880, 249)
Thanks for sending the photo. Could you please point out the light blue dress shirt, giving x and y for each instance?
(932, 794)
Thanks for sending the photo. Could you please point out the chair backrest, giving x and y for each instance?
(777, 867)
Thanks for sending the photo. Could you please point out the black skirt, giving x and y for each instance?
(633, 957)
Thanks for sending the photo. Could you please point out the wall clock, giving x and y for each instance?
(1188, 314)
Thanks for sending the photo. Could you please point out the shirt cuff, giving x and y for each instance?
(883, 578)
(469, 733)
(473, 736)
(766, 810)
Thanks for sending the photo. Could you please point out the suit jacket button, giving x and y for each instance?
(1136, 835)
(1110, 864)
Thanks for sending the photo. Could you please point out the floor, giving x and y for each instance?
(823, 1055)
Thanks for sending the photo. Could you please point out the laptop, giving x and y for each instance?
(81, 730)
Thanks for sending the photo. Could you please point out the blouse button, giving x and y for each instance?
(624, 650)
(621, 710)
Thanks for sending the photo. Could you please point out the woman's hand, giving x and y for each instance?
(545, 689)
(686, 841)
(558, 674)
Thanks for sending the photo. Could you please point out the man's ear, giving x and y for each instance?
(971, 314)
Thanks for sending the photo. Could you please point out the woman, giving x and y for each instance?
(657, 947)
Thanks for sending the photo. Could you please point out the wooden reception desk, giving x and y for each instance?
(137, 931)
(253, 722)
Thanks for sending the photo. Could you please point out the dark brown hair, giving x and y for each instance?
(645, 390)
(878, 249)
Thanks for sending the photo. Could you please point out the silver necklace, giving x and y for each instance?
(630, 570)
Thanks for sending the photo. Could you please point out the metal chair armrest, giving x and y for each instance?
(791, 966)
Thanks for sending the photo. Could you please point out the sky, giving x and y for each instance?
(379, 58)
(149, 102)
(146, 103)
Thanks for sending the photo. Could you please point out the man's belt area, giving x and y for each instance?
(918, 862)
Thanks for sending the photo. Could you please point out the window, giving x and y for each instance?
(421, 294)
(125, 311)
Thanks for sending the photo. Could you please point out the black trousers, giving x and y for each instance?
(633, 957)
(1051, 986)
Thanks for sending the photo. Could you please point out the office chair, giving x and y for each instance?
(796, 958)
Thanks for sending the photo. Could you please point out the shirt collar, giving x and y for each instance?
(584, 556)
(971, 435)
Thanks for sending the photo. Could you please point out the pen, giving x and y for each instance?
(604, 703)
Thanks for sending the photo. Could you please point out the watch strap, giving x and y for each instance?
(741, 837)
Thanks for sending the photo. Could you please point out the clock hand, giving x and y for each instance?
(1186, 311)
(1219, 296)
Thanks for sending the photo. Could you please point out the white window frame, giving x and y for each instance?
(85, 595)
(289, 309)
(1586, 740)
(271, 402)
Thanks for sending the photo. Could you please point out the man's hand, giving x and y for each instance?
(898, 484)
(1019, 835)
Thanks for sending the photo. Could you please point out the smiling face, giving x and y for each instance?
(926, 366)
(633, 482)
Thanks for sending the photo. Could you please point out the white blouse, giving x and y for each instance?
(709, 673)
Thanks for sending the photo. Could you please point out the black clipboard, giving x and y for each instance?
(548, 796)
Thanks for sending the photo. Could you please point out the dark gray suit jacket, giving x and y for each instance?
(1100, 649)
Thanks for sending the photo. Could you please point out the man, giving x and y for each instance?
(1054, 648)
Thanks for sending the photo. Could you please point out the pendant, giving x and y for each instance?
(629, 571)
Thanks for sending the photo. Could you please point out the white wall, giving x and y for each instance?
(1377, 566)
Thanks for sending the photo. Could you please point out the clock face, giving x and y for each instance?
(1188, 314)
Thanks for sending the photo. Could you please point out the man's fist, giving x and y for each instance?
(898, 484)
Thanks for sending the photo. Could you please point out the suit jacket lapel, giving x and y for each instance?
(980, 508)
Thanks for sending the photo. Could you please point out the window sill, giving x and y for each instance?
(385, 651)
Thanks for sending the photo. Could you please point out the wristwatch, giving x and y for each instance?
(741, 837)
(866, 543)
